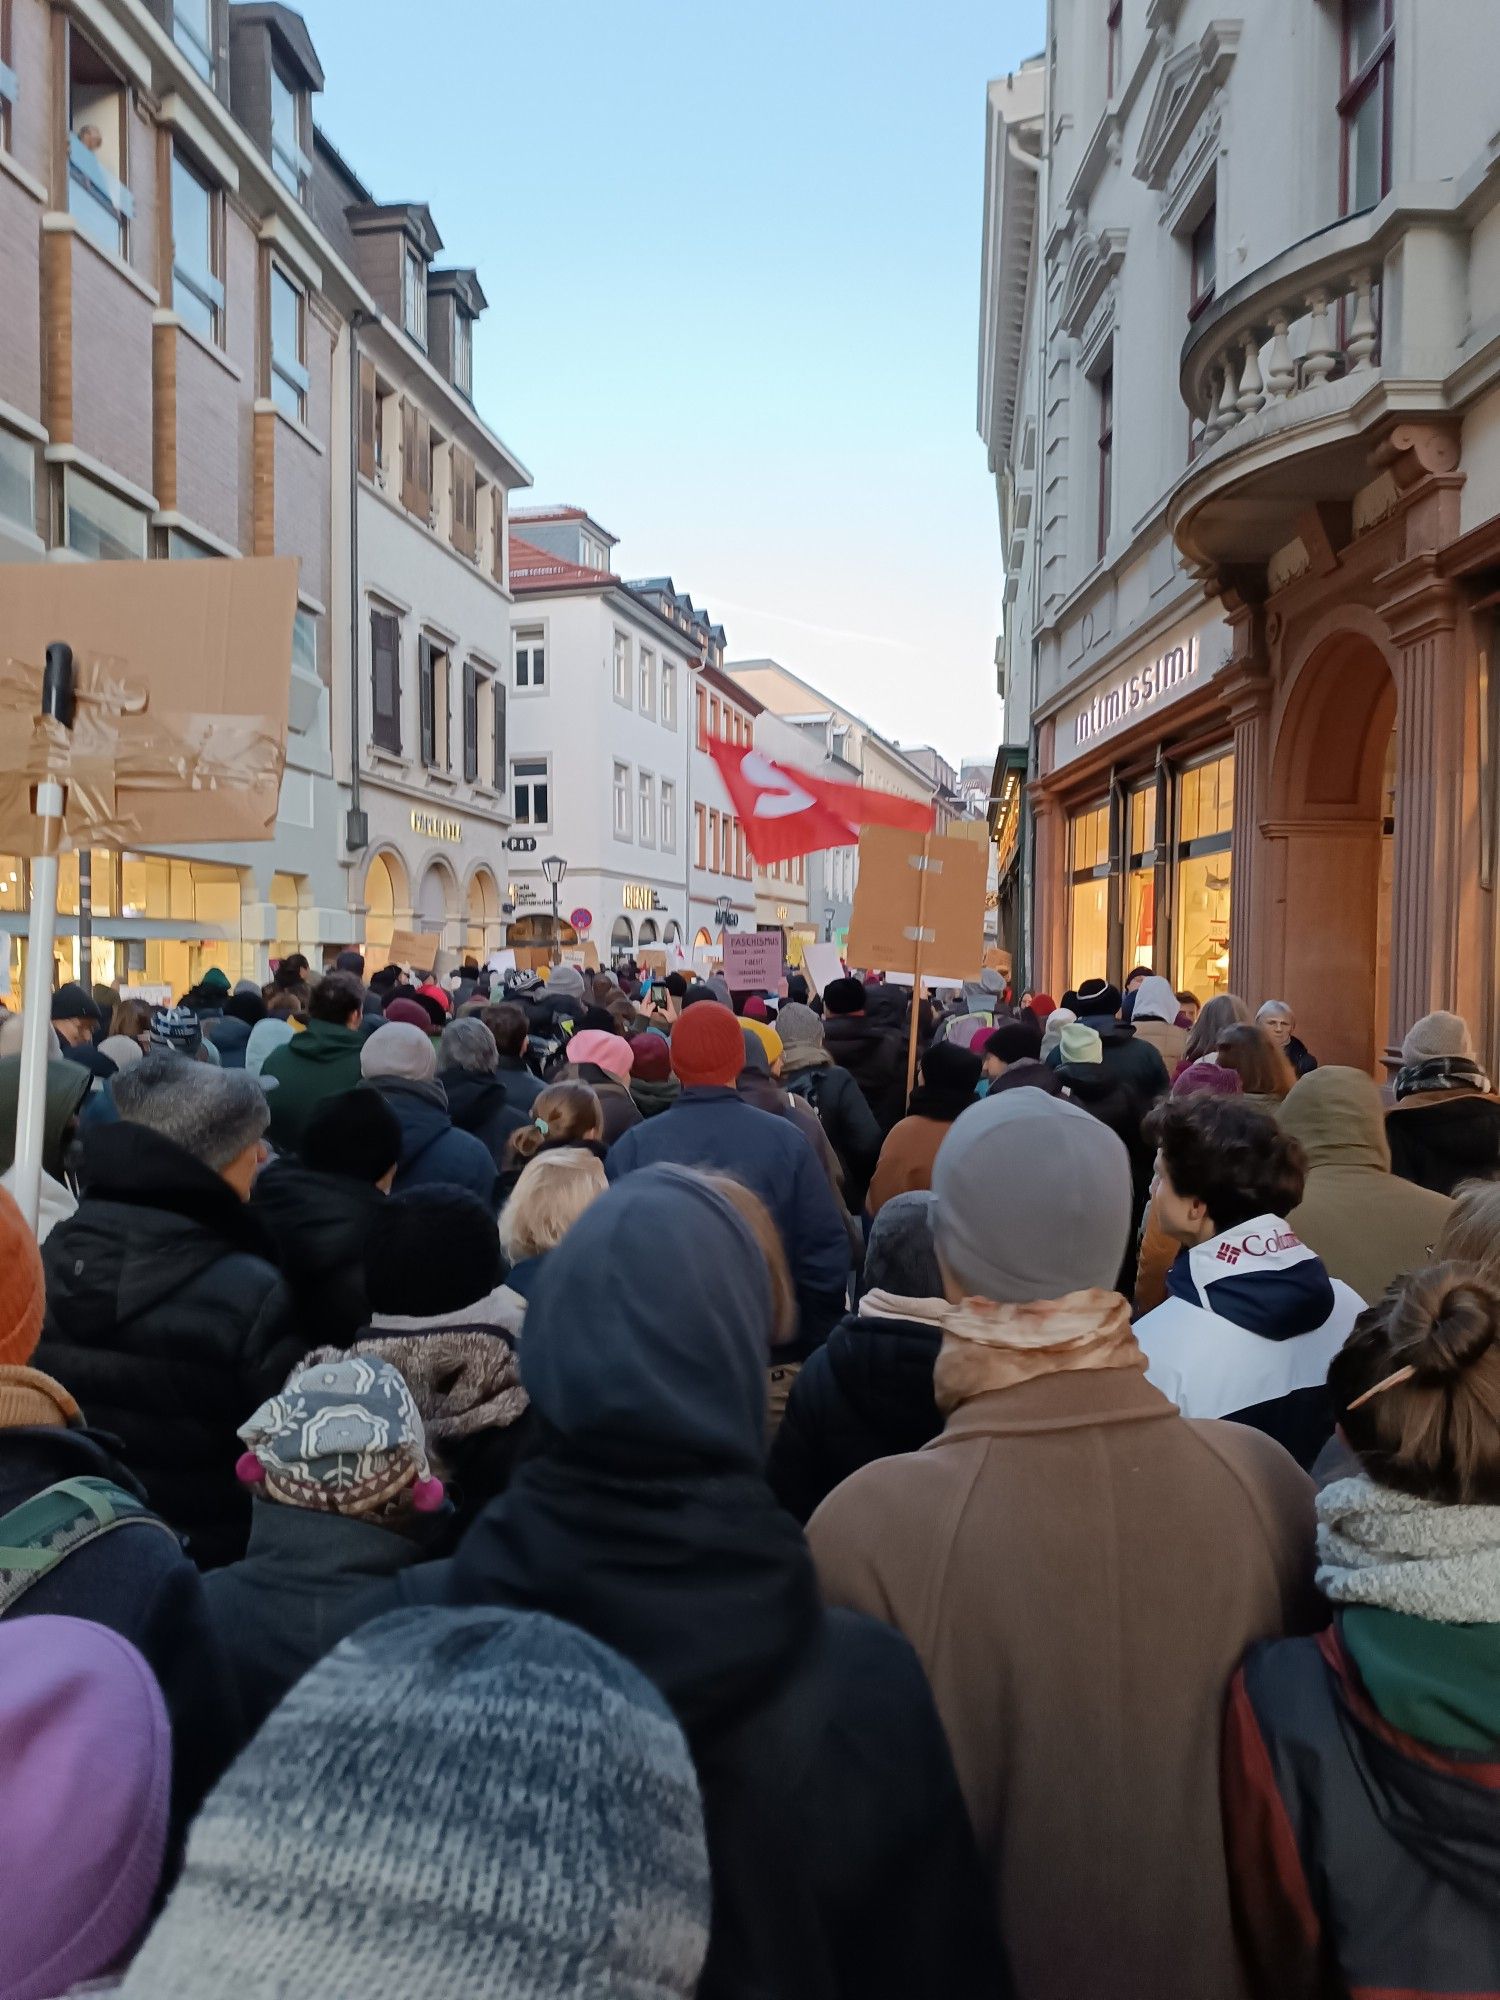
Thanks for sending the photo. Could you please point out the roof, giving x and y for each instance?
(741, 697)
(413, 216)
(290, 29)
(464, 285)
(1014, 117)
(563, 514)
(534, 571)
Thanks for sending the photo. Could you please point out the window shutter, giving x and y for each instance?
(425, 701)
(463, 501)
(471, 722)
(408, 456)
(424, 468)
(367, 418)
(385, 719)
(500, 698)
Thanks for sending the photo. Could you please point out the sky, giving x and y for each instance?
(732, 257)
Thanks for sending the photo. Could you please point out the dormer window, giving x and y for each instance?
(414, 297)
(192, 31)
(288, 161)
(463, 355)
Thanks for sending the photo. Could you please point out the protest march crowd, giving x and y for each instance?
(593, 1486)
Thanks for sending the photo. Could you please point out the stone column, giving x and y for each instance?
(1048, 944)
(1245, 689)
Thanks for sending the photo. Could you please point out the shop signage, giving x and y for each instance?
(519, 843)
(641, 896)
(1171, 671)
(435, 827)
(520, 892)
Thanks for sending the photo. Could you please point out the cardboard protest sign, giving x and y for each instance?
(501, 962)
(918, 904)
(653, 960)
(182, 672)
(418, 949)
(823, 965)
(997, 959)
(752, 960)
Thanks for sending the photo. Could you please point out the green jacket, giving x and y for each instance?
(323, 1061)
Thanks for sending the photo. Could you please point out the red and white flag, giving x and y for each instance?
(787, 811)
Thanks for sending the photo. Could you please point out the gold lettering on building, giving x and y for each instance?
(436, 827)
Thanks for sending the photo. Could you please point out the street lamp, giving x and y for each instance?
(554, 868)
(829, 913)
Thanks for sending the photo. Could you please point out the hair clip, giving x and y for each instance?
(1401, 1375)
(541, 1125)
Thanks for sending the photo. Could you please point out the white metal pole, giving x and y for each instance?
(36, 1005)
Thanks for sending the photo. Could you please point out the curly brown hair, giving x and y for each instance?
(562, 1111)
(1234, 1159)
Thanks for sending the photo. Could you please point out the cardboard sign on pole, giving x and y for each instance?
(752, 961)
(916, 911)
(822, 964)
(418, 949)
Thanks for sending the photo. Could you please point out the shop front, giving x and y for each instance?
(431, 871)
(1135, 821)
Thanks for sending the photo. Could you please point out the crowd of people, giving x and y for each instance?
(588, 1484)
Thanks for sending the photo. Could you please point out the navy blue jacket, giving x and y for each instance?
(709, 1127)
(432, 1146)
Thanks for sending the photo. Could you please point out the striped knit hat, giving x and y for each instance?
(455, 1803)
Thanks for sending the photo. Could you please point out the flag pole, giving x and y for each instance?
(916, 975)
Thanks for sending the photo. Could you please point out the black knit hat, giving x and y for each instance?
(1014, 1041)
(1096, 999)
(844, 996)
(355, 1135)
(433, 1250)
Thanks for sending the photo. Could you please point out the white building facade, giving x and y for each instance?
(1240, 342)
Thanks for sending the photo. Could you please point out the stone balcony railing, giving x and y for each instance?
(1379, 316)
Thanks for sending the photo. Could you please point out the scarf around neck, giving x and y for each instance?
(1400, 1553)
(1441, 1073)
(987, 1345)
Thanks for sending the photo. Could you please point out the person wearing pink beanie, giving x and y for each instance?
(603, 1061)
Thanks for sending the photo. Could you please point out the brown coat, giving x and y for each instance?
(1081, 1570)
(1165, 1037)
(905, 1165)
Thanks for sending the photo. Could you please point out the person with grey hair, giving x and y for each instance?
(469, 1071)
(1280, 1023)
(166, 1317)
(400, 1062)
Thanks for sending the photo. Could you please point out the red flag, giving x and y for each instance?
(787, 811)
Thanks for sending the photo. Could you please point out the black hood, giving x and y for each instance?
(121, 1162)
(314, 1219)
(473, 1100)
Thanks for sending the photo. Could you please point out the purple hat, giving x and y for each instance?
(86, 1758)
(1212, 1077)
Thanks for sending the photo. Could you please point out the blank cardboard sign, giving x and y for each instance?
(915, 890)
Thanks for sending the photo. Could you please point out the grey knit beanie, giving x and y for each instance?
(214, 1114)
(566, 980)
(901, 1257)
(1033, 1199)
(1437, 1035)
(799, 1026)
(398, 1049)
(455, 1803)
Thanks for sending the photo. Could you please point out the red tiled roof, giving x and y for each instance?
(548, 514)
(538, 570)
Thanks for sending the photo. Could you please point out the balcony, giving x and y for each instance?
(1296, 373)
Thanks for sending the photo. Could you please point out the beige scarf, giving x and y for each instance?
(31, 1400)
(987, 1345)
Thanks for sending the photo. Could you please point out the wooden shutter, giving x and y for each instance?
(409, 486)
(471, 722)
(368, 417)
(424, 468)
(428, 724)
(385, 657)
(463, 501)
(500, 718)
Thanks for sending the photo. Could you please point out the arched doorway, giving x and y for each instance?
(671, 932)
(621, 938)
(482, 934)
(648, 930)
(385, 892)
(437, 898)
(1332, 825)
(703, 938)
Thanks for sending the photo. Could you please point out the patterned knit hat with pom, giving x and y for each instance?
(456, 1803)
(343, 1437)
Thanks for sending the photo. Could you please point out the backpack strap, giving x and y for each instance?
(37, 1535)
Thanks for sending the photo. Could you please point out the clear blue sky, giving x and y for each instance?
(732, 259)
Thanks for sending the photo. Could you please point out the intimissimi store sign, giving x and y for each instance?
(1172, 669)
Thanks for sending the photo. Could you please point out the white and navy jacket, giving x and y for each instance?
(1247, 1330)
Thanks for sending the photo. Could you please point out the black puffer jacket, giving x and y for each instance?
(865, 1394)
(170, 1324)
(482, 1105)
(849, 1124)
(1441, 1138)
(317, 1224)
(1130, 1060)
(874, 1056)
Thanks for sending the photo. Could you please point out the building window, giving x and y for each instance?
(197, 290)
(288, 345)
(10, 85)
(702, 719)
(622, 802)
(414, 297)
(622, 668)
(669, 694)
(646, 808)
(1113, 11)
(385, 682)
(714, 853)
(668, 816)
(648, 681)
(700, 836)
(530, 659)
(472, 683)
(18, 480)
(1106, 456)
(193, 32)
(1140, 877)
(1205, 836)
(1366, 103)
(97, 194)
(715, 717)
(434, 699)
(463, 354)
(530, 786)
(288, 161)
(1088, 895)
(98, 523)
(498, 719)
(1203, 257)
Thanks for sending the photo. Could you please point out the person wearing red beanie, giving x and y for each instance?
(711, 1126)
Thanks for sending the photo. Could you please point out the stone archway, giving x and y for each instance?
(437, 906)
(482, 934)
(386, 898)
(1330, 825)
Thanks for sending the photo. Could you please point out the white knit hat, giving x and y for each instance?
(1437, 1034)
